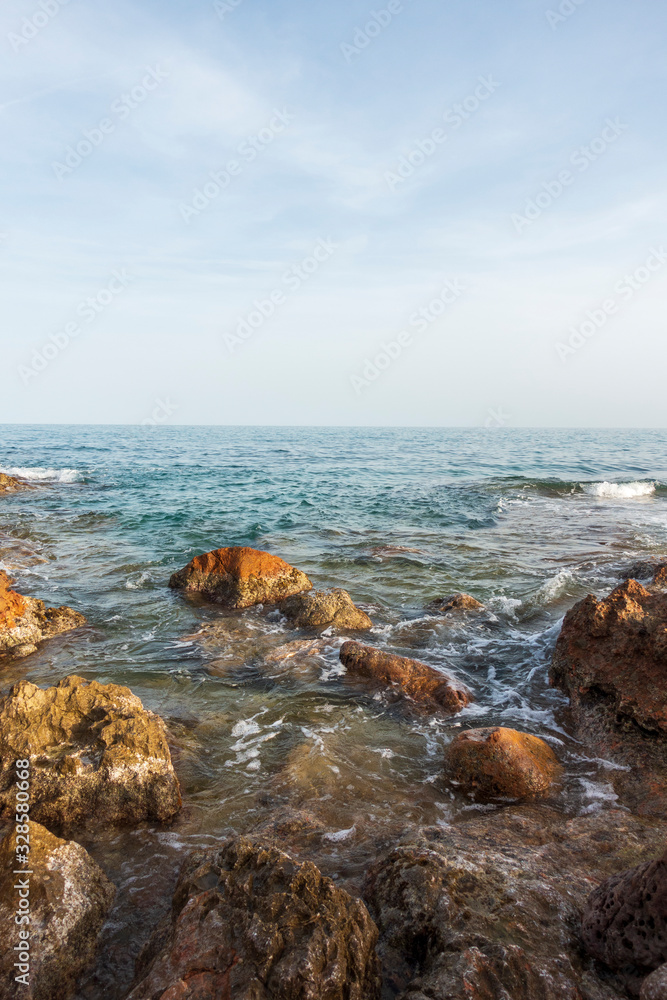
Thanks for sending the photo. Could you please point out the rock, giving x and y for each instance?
(424, 686)
(654, 986)
(9, 484)
(240, 577)
(319, 609)
(625, 919)
(490, 908)
(645, 569)
(250, 923)
(660, 576)
(25, 622)
(381, 552)
(456, 602)
(69, 898)
(96, 755)
(499, 763)
(617, 646)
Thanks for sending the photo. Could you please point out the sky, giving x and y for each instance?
(418, 212)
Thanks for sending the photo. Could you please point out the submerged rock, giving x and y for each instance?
(25, 622)
(424, 686)
(69, 898)
(618, 646)
(240, 577)
(502, 763)
(455, 602)
(490, 909)
(251, 923)
(625, 919)
(10, 484)
(319, 609)
(95, 755)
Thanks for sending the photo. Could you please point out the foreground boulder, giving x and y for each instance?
(499, 763)
(403, 678)
(654, 986)
(9, 484)
(490, 908)
(25, 622)
(240, 577)
(455, 602)
(625, 919)
(320, 609)
(250, 923)
(95, 755)
(69, 897)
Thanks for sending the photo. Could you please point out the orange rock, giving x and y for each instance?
(498, 763)
(424, 685)
(240, 577)
(12, 605)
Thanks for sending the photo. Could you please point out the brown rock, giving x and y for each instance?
(654, 986)
(456, 602)
(660, 576)
(625, 919)
(240, 577)
(69, 898)
(502, 763)
(250, 923)
(9, 484)
(424, 686)
(319, 609)
(96, 755)
(618, 647)
(25, 622)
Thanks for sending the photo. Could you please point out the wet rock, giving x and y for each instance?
(455, 602)
(499, 763)
(69, 898)
(96, 755)
(25, 622)
(10, 484)
(320, 609)
(381, 552)
(618, 647)
(660, 576)
(644, 570)
(490, 909)
(625, 919)
(240, 577)
(403, 678)
(654, 986)
(251, 923)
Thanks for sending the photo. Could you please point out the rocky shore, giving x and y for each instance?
(516, 900)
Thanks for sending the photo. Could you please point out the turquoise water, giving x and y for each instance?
(526, 521)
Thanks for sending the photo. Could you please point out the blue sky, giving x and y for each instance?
(425, 212)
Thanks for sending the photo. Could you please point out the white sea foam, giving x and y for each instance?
(555, 587)
(39, 474)
(619, 491)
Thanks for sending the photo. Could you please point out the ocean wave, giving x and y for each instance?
(620, 491)
(39, 474)
(556, 587)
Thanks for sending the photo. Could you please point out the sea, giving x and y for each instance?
(527, 521)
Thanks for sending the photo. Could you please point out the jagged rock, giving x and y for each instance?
(654, 986)
(10, 484)
(69, 897)
(625, 919)
(319, 609)
(404, 678)
(502, 763)
(456, 602)
(618, 647)
(240, 577)
(25, 622)
(645, 569)
(489, 909)
(660, 576)
(250, 923)
(96, 755)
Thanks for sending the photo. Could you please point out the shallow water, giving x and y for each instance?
(526, 521)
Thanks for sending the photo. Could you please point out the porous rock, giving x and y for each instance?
(404, 678)
(250, 923)
(455, 602)
(96, 755)
(10, 484)
(25, 621)
(239, 577)
(69, 897)
(499, 763)
(321, 609)
(654, 986)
